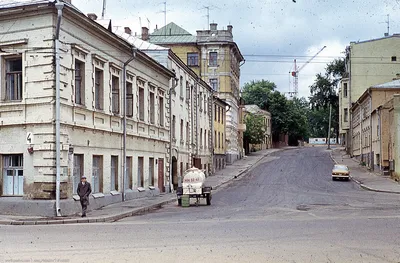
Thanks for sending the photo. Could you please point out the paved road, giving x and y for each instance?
(287, 210)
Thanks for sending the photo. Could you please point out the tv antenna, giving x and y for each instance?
(208, 8)
(387, 22)
(103, 12)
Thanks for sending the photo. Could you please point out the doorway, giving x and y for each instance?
(13, 175)
(175, 172)
(161, 175)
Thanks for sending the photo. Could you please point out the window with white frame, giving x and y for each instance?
(214, 84)
(213, 59)
(129, 99)
(193, 59)
(141, 104)
(79, 82)
(161, 111)
(152, 107)
(99, 89)
(181, 87)
(13, 79)
(115, 94)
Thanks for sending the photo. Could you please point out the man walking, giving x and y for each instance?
(84, 190)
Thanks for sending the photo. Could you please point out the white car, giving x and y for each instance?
(340, 171)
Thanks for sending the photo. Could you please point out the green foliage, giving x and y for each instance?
(257, 92)
(255, 128)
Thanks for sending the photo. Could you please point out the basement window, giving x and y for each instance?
(394, 58)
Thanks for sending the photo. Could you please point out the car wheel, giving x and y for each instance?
(333, 178)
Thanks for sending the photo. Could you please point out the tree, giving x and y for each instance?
(255, 128)
(257, 92)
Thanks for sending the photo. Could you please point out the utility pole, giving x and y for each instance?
(329, 130)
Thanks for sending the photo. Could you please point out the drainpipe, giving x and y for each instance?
(211, 147)
(124, 121)
(380, 138)
(371, 163)
(173, 86)
(59, 6)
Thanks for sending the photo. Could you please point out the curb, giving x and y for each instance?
(363, 186)
(117, 217)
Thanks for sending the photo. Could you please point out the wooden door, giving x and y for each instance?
(161, 175)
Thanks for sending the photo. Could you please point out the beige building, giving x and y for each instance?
(369, 132)
(368, 63)
(98, 71)
(190, 110)
(215, 56)
(254, 109)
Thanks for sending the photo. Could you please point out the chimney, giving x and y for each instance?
(145, 33)
(386, 34)
(128, 30)
(230, 27)
(213, 26)
(92, 16)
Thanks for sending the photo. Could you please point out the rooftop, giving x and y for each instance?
(254, 109)
(172, 33)
(388, 85)
(136, 41)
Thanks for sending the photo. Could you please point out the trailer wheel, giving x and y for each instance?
(179, 202)
(208, 198)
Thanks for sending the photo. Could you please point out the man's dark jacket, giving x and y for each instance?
(84, 191)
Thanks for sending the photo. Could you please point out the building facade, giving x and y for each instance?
(267, 143)
(190, 109)
(368, 63)
(219, 142)
(215, 56)
(100, 89)
(369, 133)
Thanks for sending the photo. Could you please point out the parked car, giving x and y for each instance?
(340, 171)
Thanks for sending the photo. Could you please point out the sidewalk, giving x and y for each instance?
(368, 180)
(121, 210)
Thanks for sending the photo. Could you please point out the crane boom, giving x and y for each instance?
(295, 73)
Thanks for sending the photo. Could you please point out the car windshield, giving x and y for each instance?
(340, 167)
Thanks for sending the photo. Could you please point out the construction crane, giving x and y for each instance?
(295, 73)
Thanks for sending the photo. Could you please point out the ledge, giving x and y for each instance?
(98, 195)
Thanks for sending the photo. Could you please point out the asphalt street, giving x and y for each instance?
(287, 209)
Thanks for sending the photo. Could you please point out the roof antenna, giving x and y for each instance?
(104, 9)
(388, 26)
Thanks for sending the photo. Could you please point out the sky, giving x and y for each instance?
(270, 33)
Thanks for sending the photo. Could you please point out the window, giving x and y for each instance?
(181, 133)
(187, 133)
(173, 127)
(219, 114)
(13, 175)
(161, 106)
(79, 82)
(215, 112)
(141, 104)
(140, 172)
(129, 99)
(201, 138)
(181, 168)
(193, 59)
(213, 59)
(214, 84)
(205, 103)
(219, 140)
(187, 91)
(345, 90)
(115, 95)
(222, 115)
(222, 141)
(13, 90)
(205, 139)
(129, 172)
(78, 171)
(98, 89)
(201, 101)
(394, 58)
(346, 115)
(215, 139)
(181, 87)
(97, 174)
(152, 108)
(114, 173)
(151, 171)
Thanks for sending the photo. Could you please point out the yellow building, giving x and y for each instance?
(220, 108)
(217, 59)
(368, 63)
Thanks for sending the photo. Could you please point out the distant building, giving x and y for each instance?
(267, 143)
(368, 63)
(367, 124)
(214, 56)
